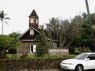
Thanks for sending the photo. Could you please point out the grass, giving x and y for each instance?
(46, 56)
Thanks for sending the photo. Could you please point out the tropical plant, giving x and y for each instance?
(15, 42)
(64, 31)
(42, 48)
(53, 28)
(15, 37)
(90, 24)
(5, 43)
(3, 18)
(69, 31)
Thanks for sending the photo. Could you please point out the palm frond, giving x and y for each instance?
(7, 18)
(6, 23)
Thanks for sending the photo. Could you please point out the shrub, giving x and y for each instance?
(42, 45)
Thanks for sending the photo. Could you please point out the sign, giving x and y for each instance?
(58, 51)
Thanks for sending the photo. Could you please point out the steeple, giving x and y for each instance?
(33, 20)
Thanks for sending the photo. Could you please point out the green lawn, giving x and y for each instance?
(32, 56)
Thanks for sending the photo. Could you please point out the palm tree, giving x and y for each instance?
(90, 24)
(3, 18)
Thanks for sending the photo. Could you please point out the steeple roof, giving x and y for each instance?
(33, 13)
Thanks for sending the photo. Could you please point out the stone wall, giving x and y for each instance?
(24, 47)
(29, 65)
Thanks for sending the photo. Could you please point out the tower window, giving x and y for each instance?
(31, 32)
(31, 20)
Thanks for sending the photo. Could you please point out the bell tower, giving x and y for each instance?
(33, 20)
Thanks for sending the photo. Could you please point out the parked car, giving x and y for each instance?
(84, 61)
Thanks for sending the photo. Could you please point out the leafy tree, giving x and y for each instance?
(42, 48)
(15, 42)
(88, 30)
(64, 31)
(5, 43)
(3, 18)
(85, 38)
(77, 32)
(8, 42)
(70, 30)
(53, 28)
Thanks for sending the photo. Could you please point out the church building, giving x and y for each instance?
(28, 40)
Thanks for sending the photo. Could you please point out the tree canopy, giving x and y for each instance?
(73, 32)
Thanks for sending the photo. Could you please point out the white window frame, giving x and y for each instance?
(31, 32)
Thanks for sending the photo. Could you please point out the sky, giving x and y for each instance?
(19, 10)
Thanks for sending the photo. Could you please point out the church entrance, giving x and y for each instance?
(32, 48)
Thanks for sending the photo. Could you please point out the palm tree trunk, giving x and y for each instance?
(87, 7)
(2, 27)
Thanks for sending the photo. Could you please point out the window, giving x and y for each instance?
(31, 20)
(81, 56)
(91, 57)
(31, 32)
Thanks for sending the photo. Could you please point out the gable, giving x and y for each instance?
(30, 34)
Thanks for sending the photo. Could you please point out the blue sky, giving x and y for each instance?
(19, 10)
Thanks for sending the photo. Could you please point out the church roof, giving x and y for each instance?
(33, 13)
(26, 34)
(27, 37)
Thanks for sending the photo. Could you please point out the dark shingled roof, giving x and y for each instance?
(33, 13)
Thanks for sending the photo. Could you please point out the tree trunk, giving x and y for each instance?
(2, 27)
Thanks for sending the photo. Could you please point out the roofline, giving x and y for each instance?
(28, 30)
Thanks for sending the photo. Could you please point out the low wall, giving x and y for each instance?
(29, 65)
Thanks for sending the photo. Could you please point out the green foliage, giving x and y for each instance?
(84, 39)
(46, 56)
(76, 32)
(15, 41)
(42, 45)
(8, 42)
(64, 31)
(82, 49)
(5, 41)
